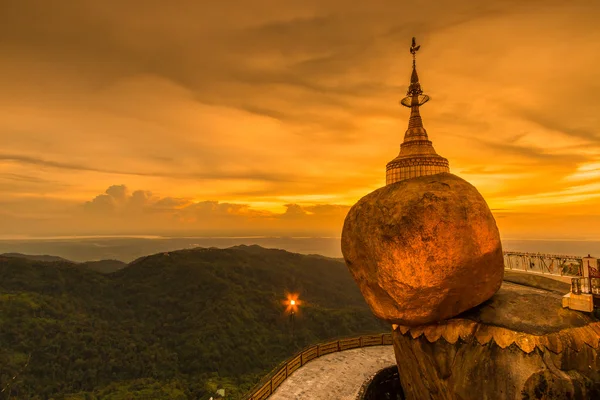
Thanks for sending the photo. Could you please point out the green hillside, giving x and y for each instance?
(104, 266)
(177, 325)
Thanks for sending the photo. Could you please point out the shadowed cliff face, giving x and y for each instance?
(424, 249)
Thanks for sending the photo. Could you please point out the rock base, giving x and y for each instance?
(512, 347)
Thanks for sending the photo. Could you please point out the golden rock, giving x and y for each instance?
(423, 249)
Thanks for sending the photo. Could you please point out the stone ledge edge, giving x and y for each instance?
(467, 330)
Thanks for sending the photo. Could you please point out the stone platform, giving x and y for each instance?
(520, 344)
(335, 376)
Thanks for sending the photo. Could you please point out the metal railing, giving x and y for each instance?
(266, 387)
(542, 263)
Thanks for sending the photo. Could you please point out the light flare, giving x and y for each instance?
(292, 303)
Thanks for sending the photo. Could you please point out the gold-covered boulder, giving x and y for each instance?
(423, 249)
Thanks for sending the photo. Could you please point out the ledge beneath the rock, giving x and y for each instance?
(539, 281)
(526, 316)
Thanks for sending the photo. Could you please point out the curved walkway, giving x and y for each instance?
(335, 376)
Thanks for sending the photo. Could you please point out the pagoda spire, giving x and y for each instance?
(415, 87)
(414, 99)
(417, 156)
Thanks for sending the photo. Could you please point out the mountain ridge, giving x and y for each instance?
(103, 266)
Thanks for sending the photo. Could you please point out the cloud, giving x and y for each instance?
(118, 193)
(168, 203)
(119, 208)
(328, 209)
(117, 200)
(294, 211)
(558, 123)
(48, 163)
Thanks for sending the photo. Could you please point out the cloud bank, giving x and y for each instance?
(264, 114)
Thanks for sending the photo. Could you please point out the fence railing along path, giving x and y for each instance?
(272, 380)
(541, 263)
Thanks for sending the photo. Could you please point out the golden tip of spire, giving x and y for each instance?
(414, 48)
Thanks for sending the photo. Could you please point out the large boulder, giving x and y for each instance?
(423, 249)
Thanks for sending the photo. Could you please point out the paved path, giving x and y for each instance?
(335, 376)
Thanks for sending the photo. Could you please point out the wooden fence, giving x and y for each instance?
(268, 384)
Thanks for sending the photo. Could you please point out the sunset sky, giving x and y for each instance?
(239, 117)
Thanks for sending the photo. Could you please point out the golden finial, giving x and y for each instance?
(414, 95)
(414, 48)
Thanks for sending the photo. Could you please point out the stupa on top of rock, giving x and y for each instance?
(425, 247)
(417, 156)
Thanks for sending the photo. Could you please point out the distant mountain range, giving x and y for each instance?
(127, 249)
(173, 325)
(45, 258)
(103, 266)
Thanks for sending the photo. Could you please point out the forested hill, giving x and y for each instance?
(173, 325)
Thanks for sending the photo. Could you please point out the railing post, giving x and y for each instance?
(318, 350)
(360, 341)
(339, 347)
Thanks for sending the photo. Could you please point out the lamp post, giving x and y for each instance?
(293, 304)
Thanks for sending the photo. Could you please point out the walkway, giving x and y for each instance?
(335, 376)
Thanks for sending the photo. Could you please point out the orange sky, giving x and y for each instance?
(269, 117)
